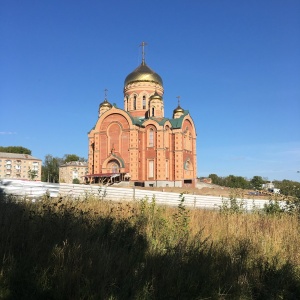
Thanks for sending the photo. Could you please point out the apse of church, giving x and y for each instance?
(138, 144)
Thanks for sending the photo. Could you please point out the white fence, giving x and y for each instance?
(34, 190)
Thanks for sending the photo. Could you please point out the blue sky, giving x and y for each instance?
(235, 64)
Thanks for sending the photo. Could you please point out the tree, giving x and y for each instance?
(216, 179)
(257, 182)
(236, 182)
(15, 149)
(76, 181)
(50, 168)
(72, 157)
(32, 174)
(288, 187)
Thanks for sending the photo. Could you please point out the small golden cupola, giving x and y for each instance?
(156, 105)
(105, 105)
(178, 111)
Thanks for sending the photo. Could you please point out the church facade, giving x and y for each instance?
(138, 143)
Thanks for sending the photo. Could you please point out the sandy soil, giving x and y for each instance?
(212, 190)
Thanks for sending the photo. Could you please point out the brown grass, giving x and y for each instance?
(95, 249)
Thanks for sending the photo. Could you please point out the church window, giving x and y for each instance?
(151, 168)
(152, 111)
(151, 137)
(134, 102)
(144, 102)
(167, 137)
(167, 169)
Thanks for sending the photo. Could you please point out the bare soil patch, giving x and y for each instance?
(211, 190)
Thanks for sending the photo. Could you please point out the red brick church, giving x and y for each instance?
(138, 143)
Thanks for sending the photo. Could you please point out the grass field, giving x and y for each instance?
(92, 249)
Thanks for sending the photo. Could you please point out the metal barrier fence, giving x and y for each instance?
(33, 190)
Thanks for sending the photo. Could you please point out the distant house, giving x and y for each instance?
(73, 170)
(20, 166)
(271, 188)
(268, 185)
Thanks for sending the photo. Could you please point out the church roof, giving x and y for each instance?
(175, 123)
(143, 73)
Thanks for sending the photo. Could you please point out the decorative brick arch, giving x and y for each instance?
(114, 115)
(113, 164)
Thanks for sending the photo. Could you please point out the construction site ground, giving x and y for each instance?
(216, 190)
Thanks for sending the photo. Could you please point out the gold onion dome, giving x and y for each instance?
(105, 103)
(156, 96)
(178, 109)
(143, 73)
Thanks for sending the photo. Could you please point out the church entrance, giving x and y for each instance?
(113, 166)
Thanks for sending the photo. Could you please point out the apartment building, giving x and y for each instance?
(73, 170)
(20, 166)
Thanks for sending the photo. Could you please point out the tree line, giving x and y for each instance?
(287, 187)
(238, 181)
(15, 149)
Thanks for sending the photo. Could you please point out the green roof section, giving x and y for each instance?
(175, 123)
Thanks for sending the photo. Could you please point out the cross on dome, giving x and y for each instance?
(143, 44)
(178, 97)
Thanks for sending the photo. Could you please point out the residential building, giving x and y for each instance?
(20, 166)
(73, 170)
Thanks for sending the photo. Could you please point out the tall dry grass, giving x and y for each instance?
(97, 249)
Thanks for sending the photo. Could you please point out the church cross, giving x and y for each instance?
(178, 97)
(143, 44)
(105, 93)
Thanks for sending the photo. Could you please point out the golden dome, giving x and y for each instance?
(143, 73)
(156, 96)
(105, 103)
(178, 109)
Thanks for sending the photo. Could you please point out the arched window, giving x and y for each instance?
(134, 102)
(151, 138)
(144, 102)
(127, 104)
(152, 111)
(167, 169)
(167, 133)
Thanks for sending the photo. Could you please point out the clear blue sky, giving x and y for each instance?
(235, 64)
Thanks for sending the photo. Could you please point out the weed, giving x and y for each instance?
(273, 208)
(90, 249)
